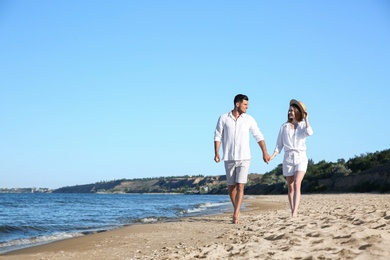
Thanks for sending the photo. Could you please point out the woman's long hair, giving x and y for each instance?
(297, 112)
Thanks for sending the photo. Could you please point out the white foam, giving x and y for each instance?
(149, 220)
(34, 241)
(203, 207)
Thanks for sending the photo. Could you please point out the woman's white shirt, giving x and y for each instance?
(293, 139)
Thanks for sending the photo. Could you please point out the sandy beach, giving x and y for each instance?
(340, 226)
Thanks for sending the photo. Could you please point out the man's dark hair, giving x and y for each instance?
(239, 98)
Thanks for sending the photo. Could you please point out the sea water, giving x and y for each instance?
(28, 219)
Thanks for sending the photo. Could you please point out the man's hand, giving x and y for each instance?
(217, 144)
(266, 157)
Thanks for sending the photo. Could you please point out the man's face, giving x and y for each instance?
(242, 107)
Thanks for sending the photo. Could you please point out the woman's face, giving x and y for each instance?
(291, 113)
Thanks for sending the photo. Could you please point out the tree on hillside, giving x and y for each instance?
(368, 160)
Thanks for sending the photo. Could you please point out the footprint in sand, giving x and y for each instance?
(313, 234)
(275, 237)
(364, 247)
(315, 242)
(358, 222)
(342, 237)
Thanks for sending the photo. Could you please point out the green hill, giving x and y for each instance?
(365, 173)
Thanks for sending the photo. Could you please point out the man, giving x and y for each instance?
(233, 131)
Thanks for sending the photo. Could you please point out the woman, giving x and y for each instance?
(292, 137)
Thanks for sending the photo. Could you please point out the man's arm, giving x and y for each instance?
(217, 144)
(263, 148)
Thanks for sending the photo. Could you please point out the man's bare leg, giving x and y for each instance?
(238, 202)
(233, 195)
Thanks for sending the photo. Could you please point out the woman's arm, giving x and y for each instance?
(273, 155)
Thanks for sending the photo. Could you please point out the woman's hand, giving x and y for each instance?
(307, 119)
(273, 155)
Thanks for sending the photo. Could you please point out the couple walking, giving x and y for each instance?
(233, 132)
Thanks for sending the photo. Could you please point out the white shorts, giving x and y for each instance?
(237, 171)
(294, 162)
(290, 170)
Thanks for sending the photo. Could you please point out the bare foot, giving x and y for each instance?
(236, 219)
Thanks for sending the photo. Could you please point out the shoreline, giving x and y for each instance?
(330, 226)
(43, 225)
(71, 243)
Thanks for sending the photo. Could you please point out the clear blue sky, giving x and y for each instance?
(101, 90)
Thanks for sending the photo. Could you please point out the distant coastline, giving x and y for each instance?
(26, 190)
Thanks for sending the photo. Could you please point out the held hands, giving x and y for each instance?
(266, 157)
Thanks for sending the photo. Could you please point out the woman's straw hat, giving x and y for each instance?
(301, 106)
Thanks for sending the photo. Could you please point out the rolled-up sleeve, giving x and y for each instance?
(255, 130)
(309, 131)
(218, 130)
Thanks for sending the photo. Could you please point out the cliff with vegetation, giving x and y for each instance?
(365, 173)
(182, 184)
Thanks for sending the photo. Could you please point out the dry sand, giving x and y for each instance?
(342, 226)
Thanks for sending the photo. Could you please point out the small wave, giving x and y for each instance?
(211, 205)
(151, 219)
(194, 210)
(9, 229)
(202, 207)
(12, 229)
(33, 241)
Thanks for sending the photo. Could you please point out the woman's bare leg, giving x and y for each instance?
(290, 186)
(297, 192)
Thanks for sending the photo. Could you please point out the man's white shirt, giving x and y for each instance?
(234, 135)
